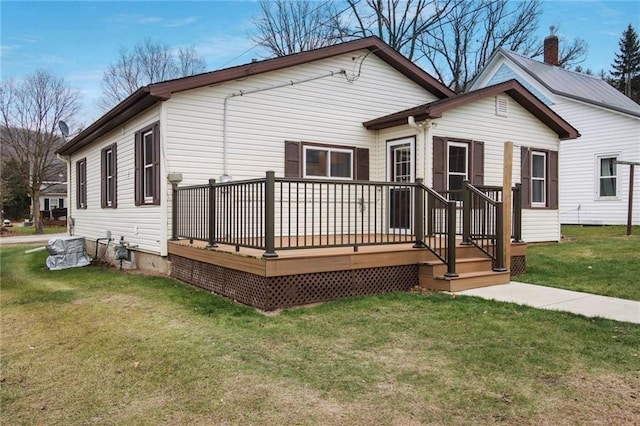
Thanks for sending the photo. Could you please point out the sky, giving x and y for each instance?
(77, 40)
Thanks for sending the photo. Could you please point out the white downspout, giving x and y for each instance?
(423, 133)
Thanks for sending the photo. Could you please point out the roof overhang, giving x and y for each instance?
(147, 96)
(511, 88)
(137, 102)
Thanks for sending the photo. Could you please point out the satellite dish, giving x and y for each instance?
(63, 128)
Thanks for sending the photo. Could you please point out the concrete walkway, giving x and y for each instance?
(557, 299)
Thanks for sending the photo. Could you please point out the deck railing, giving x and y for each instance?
(482, 223)
(494, 193)
(275, 214)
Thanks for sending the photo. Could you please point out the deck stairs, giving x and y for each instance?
(473, 269)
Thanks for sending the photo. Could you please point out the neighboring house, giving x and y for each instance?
(53, 200)
(594, 190)
(349, 114)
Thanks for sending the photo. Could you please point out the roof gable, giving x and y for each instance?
(147, 96)
(512, 88)
(569, 84)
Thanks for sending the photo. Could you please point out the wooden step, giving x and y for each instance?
(465, 264)
(464, 281)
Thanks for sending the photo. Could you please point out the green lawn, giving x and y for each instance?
(31, 230)
(594, 259)
(103, 346)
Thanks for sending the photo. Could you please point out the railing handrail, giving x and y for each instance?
(481, 194)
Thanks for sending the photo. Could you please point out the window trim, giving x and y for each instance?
(109, 182)
(599, 177)
(329, 149)
(81, 183)
(544, 179)
(141, 199)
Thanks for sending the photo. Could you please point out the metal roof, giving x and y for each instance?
(575, 85)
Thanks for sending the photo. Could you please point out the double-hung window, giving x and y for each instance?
(109, 177)
(607, 177)
(328, 162)
(538, 178)
(81, 183)
(147, 160)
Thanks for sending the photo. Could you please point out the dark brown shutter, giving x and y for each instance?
(79, 186)
(553, 180)
(46, 204)
(292, 163)
(525, 176)
(137, 176)
(114, 195)
(362, 164)
(477, 163)
(439, 164)
(61, 203)
(156, 163)
(103, 178)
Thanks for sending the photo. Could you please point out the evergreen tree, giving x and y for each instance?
(626, 65)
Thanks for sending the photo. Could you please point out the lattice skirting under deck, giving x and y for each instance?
(270, 293)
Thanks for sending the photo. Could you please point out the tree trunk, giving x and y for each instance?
(37, 220)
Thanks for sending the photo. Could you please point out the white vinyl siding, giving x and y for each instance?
(328, 111)
(603, 132)
(478, 121)
(139, 225)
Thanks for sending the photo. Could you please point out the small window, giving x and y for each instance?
(109, 177)
(81, 184)
(147, 160)
(538, 179)
(335, 163)
(607, 177)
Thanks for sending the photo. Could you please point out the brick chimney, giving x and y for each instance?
(551, 48)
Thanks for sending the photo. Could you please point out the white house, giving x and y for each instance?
(350, 112)
(594, 189)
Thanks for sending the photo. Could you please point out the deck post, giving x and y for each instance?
(517, 213)
(418, 215)
(269, 215)
(174, 211)
(451, 240)
(212, 214)
(499, 241)
(466, 213)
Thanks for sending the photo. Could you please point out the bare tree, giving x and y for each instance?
(287, 27)
(148, 62)
(456, 48)
(400, 23)
(30, 111)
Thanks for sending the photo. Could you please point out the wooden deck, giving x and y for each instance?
(302, 276)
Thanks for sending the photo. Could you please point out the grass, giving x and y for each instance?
(103, 346)
(31, 230)
(594, 259)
